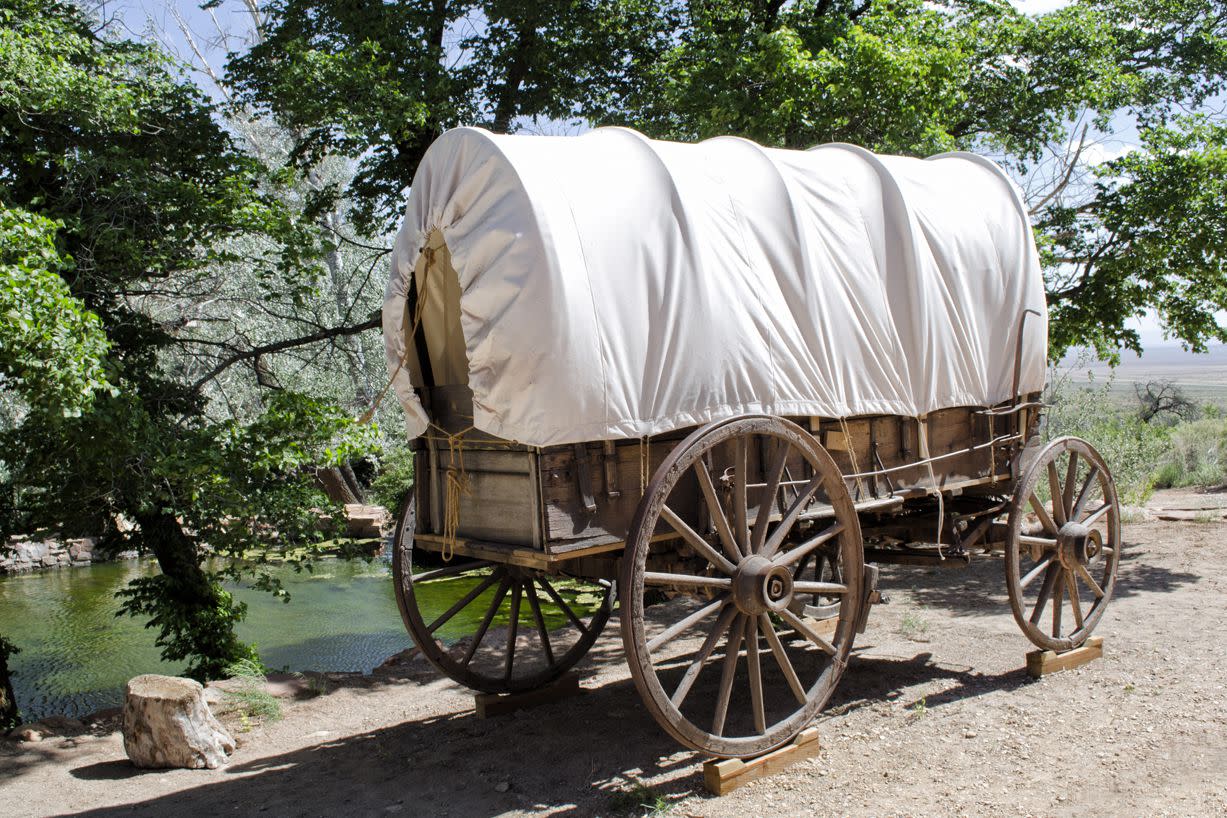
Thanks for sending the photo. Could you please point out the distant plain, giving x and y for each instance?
(1202, 377)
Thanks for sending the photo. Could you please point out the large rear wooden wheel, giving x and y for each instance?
(726, 660)
(1062, 544)
(494, 627)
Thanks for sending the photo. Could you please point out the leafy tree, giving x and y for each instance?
(377, 81)
(918, 77)
(119, 187)
(51, 351)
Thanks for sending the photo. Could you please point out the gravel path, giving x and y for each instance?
(934, 717)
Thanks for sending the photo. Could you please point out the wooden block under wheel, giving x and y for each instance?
(1043, 662)
(499, 704)
(724, 775)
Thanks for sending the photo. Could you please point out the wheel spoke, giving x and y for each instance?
(1067, 495)
(485, 622)
(566, 609)
(1040, 567)
(1050, 577)
(781, 657)
(684, 623)
(808, 587)
(513, 628)
(535, 604)
(1042, 513)
(696, 542)
(1094, 516)
(709, 644)
(1090, 581)
(1058, 603)
(753, 659)
(788, 482)
(449, 571)
(795, 554)
(477, 591)
(790, 517)
(740, 466)
(1047, 543)
(1071, 588)
(1054, 491)
(1085, 493)
(685, 580)
(805, 630)
(767, 503)
(732, 647)
(727, 540)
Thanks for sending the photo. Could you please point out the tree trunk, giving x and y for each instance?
(177, 557)
(196, 615)
(9, 717)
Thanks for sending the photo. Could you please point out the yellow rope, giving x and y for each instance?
(856, 469)
(457, 483)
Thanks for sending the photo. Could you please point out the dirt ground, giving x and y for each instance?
(935, 716)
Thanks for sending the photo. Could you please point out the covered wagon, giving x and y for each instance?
(719, 383)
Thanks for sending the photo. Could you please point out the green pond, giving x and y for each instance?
(76, 655)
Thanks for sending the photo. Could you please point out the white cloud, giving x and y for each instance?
(1099, 152)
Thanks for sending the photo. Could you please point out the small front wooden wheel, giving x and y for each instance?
(718, 542)
(1062, 544)
(494, 627)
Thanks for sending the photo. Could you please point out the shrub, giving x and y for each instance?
(395, 478)
(1130, 446)
(1196, 455)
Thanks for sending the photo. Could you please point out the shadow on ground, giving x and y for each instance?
(588, 749)
(979, 589)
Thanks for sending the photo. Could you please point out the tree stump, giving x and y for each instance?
(168, 724)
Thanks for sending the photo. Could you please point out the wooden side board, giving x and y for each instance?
(568, 500)
(722, 776)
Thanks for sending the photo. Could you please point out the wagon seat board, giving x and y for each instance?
(585, 300)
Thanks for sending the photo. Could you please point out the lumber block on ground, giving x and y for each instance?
(499, 704)
(1043, 662)
(722, 776)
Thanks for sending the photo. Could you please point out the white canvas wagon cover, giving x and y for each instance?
(613, 286)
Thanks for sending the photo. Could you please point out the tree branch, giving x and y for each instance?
(281, 346)
(1069, 173)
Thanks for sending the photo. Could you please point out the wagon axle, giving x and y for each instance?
(760, 585)
(1078, 545)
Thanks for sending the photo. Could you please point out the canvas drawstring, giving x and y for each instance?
(922, 426)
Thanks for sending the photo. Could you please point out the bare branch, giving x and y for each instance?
(281, 346)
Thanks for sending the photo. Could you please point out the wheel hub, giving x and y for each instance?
(1078, 545)
(760, 585)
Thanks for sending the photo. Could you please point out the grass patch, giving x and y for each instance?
(914, 628)
(919, 708)
(639, 799)
(250, 700)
